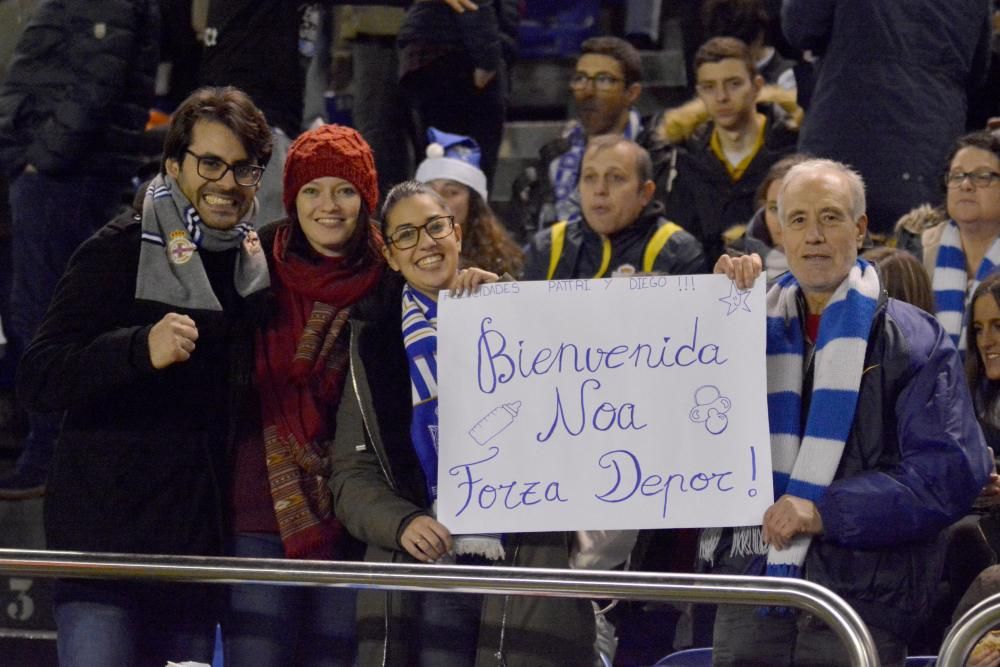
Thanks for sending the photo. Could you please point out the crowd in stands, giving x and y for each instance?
(242, 360)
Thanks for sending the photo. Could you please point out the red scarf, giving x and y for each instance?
(301, 360)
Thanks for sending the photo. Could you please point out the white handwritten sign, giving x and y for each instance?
(601, 404)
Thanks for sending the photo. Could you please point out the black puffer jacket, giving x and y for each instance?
(79, 88)
(704, 199)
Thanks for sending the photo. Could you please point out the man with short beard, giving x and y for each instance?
(147, 347)
(606, 84)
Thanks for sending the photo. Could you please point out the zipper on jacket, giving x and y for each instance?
(356, 359)
(355, 356)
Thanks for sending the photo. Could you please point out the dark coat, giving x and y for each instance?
(704, 200)
(378, 488)
(79, 88)
(141, 463)
(890, 90)
(486, 35)
(583, 250)
(913, 463)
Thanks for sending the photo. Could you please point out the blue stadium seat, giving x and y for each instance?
(556, 28)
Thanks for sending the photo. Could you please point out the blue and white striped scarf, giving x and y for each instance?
(420, 341)
(804, 465)
(952, 290)
(173, 237)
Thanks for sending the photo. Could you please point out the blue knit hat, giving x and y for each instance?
(453, 157)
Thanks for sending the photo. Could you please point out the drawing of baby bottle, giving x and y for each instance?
(494, 422)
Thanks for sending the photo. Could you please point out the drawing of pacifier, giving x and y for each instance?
(710, 409)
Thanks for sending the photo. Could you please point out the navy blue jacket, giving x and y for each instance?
(79, 88)
(912, 465)
(890, 91)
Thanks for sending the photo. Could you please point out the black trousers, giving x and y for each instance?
(443, 96)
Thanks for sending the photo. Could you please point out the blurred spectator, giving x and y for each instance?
(890, 91)
(984, 101)
(454, 67)
(723, 161)
(452, 169)
(911, 227)
(763, 234)
(983, 366)
(605, 86)
(748, 20)
(622, 230)
(960, 253)
(180, 51)
(72, 111)
(381, 112)
(142, 459)
(262, 47)
(903, 276)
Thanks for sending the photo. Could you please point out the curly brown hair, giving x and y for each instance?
(486, 243)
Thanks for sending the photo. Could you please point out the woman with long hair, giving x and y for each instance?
(385, 470)
(452, 169)
(324, 257)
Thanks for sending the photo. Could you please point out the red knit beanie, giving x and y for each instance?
(330, 150)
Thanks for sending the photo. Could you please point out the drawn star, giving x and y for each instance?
(736, 299)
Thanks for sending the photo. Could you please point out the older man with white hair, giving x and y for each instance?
(874, 442)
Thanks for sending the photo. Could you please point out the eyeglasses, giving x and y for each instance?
(212, 168)
(602, 81)
(437, 227)
(980, 179)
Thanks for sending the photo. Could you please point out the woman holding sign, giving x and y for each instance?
(385, 469)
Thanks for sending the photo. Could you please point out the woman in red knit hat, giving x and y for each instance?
(324, 257)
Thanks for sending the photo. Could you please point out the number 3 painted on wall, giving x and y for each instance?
(23, 606)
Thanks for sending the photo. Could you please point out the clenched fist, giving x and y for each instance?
(171, 340)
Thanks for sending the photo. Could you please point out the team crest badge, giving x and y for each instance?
(180, 249)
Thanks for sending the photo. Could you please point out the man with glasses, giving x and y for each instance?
(70, 141)
(605, 84)
(147, 349)
(722, 162)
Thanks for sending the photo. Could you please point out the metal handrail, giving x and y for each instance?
(967, 630)
(727, 589)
